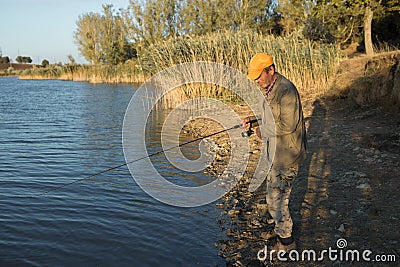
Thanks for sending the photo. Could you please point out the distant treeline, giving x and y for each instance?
(117, 36)
(19, 59)
(4, 60)
(101, 73)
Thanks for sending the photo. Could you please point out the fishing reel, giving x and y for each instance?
(247, 133)
(254, 122)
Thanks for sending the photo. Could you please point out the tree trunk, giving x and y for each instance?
(368, 31)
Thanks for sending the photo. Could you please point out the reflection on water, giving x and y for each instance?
(54, 132)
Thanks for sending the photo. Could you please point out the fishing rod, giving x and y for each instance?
(248, 133)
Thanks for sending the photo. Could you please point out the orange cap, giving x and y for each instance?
(258, 63)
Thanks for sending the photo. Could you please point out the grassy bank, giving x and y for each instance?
(311, 66)
(123, 73)
(14, 69)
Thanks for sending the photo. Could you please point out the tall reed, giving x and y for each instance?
(309, 65)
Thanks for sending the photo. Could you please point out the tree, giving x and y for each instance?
(314, 29)
(293, 13)
(341, 21)
(4, 59)
(372, 7)
(366, 8)
(254, 15)
(18, 59)
(115, 47)
(200, 17)
(153, 20)
(45, 63)
(102, 38)
(26, 60)
(369, 13)
(87, 36)
(349, 15)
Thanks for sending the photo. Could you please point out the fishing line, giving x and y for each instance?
(138, 159)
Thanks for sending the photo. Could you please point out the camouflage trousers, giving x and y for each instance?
(278, 187)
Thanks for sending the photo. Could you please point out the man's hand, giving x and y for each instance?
(250, 122)
(246, 123)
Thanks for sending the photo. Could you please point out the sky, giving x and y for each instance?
(44, 29)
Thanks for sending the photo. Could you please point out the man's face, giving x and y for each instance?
(265, 78)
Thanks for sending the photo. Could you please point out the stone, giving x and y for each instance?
(333, 212)
(233, 213)
(364, 186)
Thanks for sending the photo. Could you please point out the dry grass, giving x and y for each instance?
(310, 66)
(103, 73)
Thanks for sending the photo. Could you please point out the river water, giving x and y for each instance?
(55, 132)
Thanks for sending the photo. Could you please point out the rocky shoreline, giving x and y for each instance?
(242, 213)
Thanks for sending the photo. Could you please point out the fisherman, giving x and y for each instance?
(284, 102)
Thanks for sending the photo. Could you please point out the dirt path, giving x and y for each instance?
(348, 186)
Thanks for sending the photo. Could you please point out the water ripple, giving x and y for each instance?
(56, 132)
